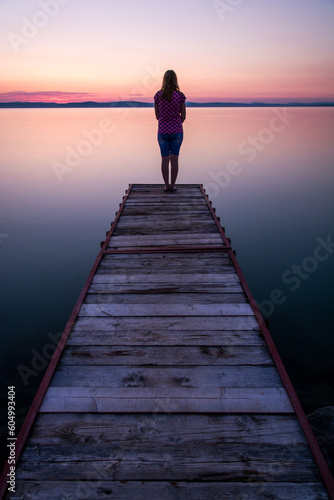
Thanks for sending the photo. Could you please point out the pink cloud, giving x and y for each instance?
(46, 96)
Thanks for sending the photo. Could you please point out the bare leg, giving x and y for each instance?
(164, 169)
(174, 169)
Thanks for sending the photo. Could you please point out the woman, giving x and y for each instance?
(170, 111)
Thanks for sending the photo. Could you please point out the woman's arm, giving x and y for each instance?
(183, 111)
(156, 108)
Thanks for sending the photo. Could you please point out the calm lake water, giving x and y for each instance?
(269, 173)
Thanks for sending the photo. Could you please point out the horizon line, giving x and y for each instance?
(133, 103)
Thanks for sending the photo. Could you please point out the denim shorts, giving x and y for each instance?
(170, 143)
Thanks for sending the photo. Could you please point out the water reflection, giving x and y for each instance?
(274, 202)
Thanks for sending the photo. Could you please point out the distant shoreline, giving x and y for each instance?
(137, 104)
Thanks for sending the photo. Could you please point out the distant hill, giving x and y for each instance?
(87, 104)
(255, 104)
(138, 104)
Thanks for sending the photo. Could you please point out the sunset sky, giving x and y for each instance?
(221, 50)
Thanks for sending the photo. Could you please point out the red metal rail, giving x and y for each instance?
(33, 410)
(313, 443)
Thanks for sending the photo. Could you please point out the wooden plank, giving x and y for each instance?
(162, 267)
(145, 190)
(163, 324)
(189, 429)
(161, 336)
(190, 201)
(167, 278)
(166, 355)
(167, 377)
(240, 404)
(166, 400)
(200, 260)
(163, 230)
(159, 187)
(182, 235)
(167, 490)
(201, 289)
(152, 208)
(148, 451)
(189, 198)
(139, 220)
(218, 257)
(162, 298)
(102, 310)
(171, 467)
(180, 239)
(161, 227)
(186, 197)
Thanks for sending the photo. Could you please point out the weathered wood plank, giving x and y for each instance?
(172, 230)
(175, 279)
(179, 428)
(162, 298)
(166, 490)
(165, 266)
(201, 289)
(176, 256)
(163, 209)
(163, 337)
(186, 195)
(161, 267)
(189, 197)
(158, 191)
(158, 218)
(180, 239)
(188, 260)
(182, 235)
(102, 310)
(166, 400)
(171, 467)
(166, 355)
(167, 377)
(147, 451)
(159, 228)
(157, 187)
(166, 324)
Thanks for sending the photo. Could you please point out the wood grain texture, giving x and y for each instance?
(181, 239)
(166, 400)
(167, 376)
(167, 277)
(188, 323)
(159, 429)
(226, 297)
(172, 467)
(168, 490)
(201, 290)
(96, 310)
(160, 336)
(166, 355)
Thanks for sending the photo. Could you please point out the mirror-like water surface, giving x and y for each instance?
(269, 173)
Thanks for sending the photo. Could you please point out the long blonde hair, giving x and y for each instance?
(169, 84)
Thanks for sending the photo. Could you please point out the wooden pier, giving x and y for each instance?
(166, 383)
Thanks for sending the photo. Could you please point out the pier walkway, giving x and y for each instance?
(166, 383)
